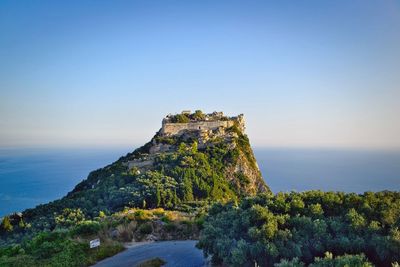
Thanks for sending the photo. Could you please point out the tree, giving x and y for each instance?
(194, 147)
(102, 214)
(187, 189)
(182, 118)
(295, 262)
(345, 260)
(316, 209)
(356, 220)
(21, 223)
(279, 228)
(6, 224)
(158, 197)
(182, 148)
(69, 217)
(198, 115)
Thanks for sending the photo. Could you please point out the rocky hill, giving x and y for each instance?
(198, 146)
(194, 159)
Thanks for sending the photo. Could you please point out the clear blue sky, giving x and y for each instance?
(104, 73)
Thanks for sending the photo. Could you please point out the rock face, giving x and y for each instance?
(231, 170)
(193, 157)
(207, 130)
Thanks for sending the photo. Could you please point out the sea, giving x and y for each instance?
(29, 177)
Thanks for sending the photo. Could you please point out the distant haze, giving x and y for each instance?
(97, 73)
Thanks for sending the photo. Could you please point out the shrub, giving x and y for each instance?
(10, 250)
(159, 212)
(145, 229)
(47, 244)
(156, 262)
(170, 227)
(125, 232)
(17, 261)
(72, 254)
(165, 219)
(102, 214)
(289, 263)
(182, 118)
(345, 260)
(86, 228)
(142, 215)
(200, 221)
(6, 224)
(107, 250)
(198, 115)
(69, 217)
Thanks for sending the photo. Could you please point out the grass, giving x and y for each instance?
(156, 262)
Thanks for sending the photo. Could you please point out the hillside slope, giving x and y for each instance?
(193, 159)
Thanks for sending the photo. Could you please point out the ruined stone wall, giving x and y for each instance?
(175, 128)
(140, 164)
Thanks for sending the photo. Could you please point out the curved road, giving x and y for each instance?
(175, 253)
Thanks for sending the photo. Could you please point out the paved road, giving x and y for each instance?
(175, 253)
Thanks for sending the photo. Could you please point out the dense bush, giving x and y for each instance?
(180, 118)
(58, 248)
(86, 228)
(329, 261)
(278, 229)
(145, 229)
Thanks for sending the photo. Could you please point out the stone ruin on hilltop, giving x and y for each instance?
(203, 127)
(171, 125)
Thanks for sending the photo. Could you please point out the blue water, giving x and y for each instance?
(330, 170)
(34, 176)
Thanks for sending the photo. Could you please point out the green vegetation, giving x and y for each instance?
(68, 244)
(198, 115)
(119, 204)
(311, 228)
(181, 118)
(57, 248)
(6, 224)
(170, 199)
(329, 261)
(156, 262)
(184, 179)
